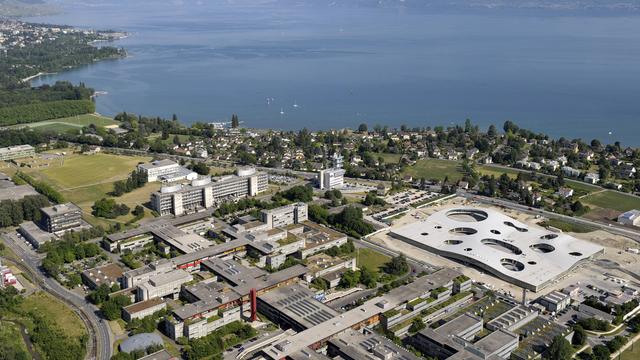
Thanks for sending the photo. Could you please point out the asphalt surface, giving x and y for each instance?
(99, 344)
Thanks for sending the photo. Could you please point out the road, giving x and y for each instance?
(610, 227)
(100, 340)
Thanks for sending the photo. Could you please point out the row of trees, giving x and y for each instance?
(136, 179)
(40, 186)
(22, 114)
(13, 213)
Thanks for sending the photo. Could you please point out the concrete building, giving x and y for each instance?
(167, 284)
(294, 307)
(453, 341)
(367, 314)
(285, 215)
(555, 301)
(355, 345)
(530, 257)
(316, 237)
(17, 152)
(631, 217)
(513, 318)
(205, 192)
(34, 234)
(10, 191)
(109, 274)
(166, 170)
(143, 309)
(330, 179)
(61, 217)
(323, 264)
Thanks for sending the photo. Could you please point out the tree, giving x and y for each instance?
(368, 278)
(560, 349)
(201, 168)
(176, 140)
(492, 132)
(349, 279)
(397, 266)
(416, 325)
(138, 211)
(235, 122)
(363, 128)
(579, 336)
(600, 352)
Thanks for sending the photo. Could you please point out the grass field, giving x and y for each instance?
(371, 259)
(613, 200)
(83, 179)
(435, 169)
(71, 123)
(10, 336)
(632, 353)
(54, 310)
(568, 227)
(496, 171)
(389, 158)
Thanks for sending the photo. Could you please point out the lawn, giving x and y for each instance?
(613, 200)
(435, 169)
(632, 353)
(54, 310)
(76, 122)
(497, 171)
(389, 158)
(371, 259)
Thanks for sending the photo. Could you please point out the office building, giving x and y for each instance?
(205, 192)
(166, 170)
(330, 179)
(355, 345)
(167, 284)
(61, 217)
(285, 215)
(17, 152)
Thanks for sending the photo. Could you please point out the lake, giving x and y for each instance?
(320, 67)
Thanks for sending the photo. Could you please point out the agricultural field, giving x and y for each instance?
(435, 169)
(71, 123)
(371, 259)
(614, 200)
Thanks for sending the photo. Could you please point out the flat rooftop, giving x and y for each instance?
(60, 209)
(143, 305)
(356, 345)
(528, 256)
(299, 304)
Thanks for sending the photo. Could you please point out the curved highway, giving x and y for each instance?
(99, 344)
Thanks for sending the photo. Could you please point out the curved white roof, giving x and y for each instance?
(530, 257)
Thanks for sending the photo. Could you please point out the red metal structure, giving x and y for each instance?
(254, 305)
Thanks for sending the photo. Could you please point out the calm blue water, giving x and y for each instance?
(564, 75)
